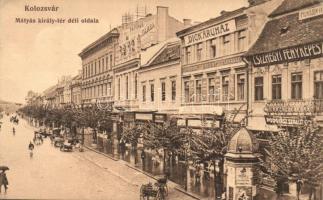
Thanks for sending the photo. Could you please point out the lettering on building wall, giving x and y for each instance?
(311, 12)
(212, 64)
(212, 32)
(288, 121)
(289, 54)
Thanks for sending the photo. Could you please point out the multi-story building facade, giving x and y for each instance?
(286, 67)
(49, 96)
(98, 60)
(75, 87)
(214, 75)
(135, 37)
(159, 78)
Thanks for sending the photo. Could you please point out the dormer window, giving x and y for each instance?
(284, 30)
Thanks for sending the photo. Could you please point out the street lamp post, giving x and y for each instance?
(217, 178)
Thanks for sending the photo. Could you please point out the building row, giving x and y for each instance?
(260, 64)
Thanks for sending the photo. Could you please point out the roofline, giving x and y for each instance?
(219, 19)
(273, 14)
(108, 35)
(160, 51)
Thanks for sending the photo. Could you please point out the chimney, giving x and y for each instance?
(187, 23)
(162, 23)
(256, 2)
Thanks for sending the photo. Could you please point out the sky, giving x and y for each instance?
(33, 56)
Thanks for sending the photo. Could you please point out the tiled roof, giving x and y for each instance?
(227, 15)
(292, 5)
(288, 31)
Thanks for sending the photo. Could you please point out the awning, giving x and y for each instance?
(259, 124)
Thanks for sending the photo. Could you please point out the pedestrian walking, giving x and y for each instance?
(3, 181)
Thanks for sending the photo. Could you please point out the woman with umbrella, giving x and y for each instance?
(3, 178)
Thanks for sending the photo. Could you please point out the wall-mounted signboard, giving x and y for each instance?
(289, 54)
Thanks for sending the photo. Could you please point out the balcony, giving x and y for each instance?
(295, 107)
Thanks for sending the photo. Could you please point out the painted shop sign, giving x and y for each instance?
(288, 121)
(144, 116)
(290, 54)
(212, 32)
(311, 12)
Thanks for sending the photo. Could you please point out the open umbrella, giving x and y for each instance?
(4, 168)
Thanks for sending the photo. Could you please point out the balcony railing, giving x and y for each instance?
(295, 107)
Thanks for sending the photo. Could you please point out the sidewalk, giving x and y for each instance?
(128, 173)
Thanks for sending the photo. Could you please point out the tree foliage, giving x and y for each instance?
(298, 154)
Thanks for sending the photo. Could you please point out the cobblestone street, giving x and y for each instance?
(55, 174)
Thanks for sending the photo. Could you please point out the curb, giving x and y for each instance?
(187, 193)
(141, 171)
(176, 185)
(96, 151)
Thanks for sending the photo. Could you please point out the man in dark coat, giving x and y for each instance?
(3, 181)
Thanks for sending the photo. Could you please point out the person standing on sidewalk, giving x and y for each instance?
(3, 181)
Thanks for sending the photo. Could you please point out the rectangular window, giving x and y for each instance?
(296, 82)
(211, 89)
(127, 90)
(143, 93)
(187, 91)
(109, 90)
(163, 91)
(259, 87)
(152, 92)
(99, 66)
(225, 88)
(119, 88)
(136, 85)
(213, 48)
(242, 40)
(199, 50)
(318, 85)
(95, 66)
(107, 62)
(198, 88)
(226, 44)
(111, 62)
(105, 89)
(173, 90)
(241, 87)
(276, 87)
(188, 55)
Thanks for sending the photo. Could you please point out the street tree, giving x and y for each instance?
(296, 154)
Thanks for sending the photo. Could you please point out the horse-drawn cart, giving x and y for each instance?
(158, 191)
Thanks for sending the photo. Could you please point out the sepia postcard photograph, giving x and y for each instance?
(161, 99)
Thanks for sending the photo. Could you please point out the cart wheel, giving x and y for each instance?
(61, 148)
